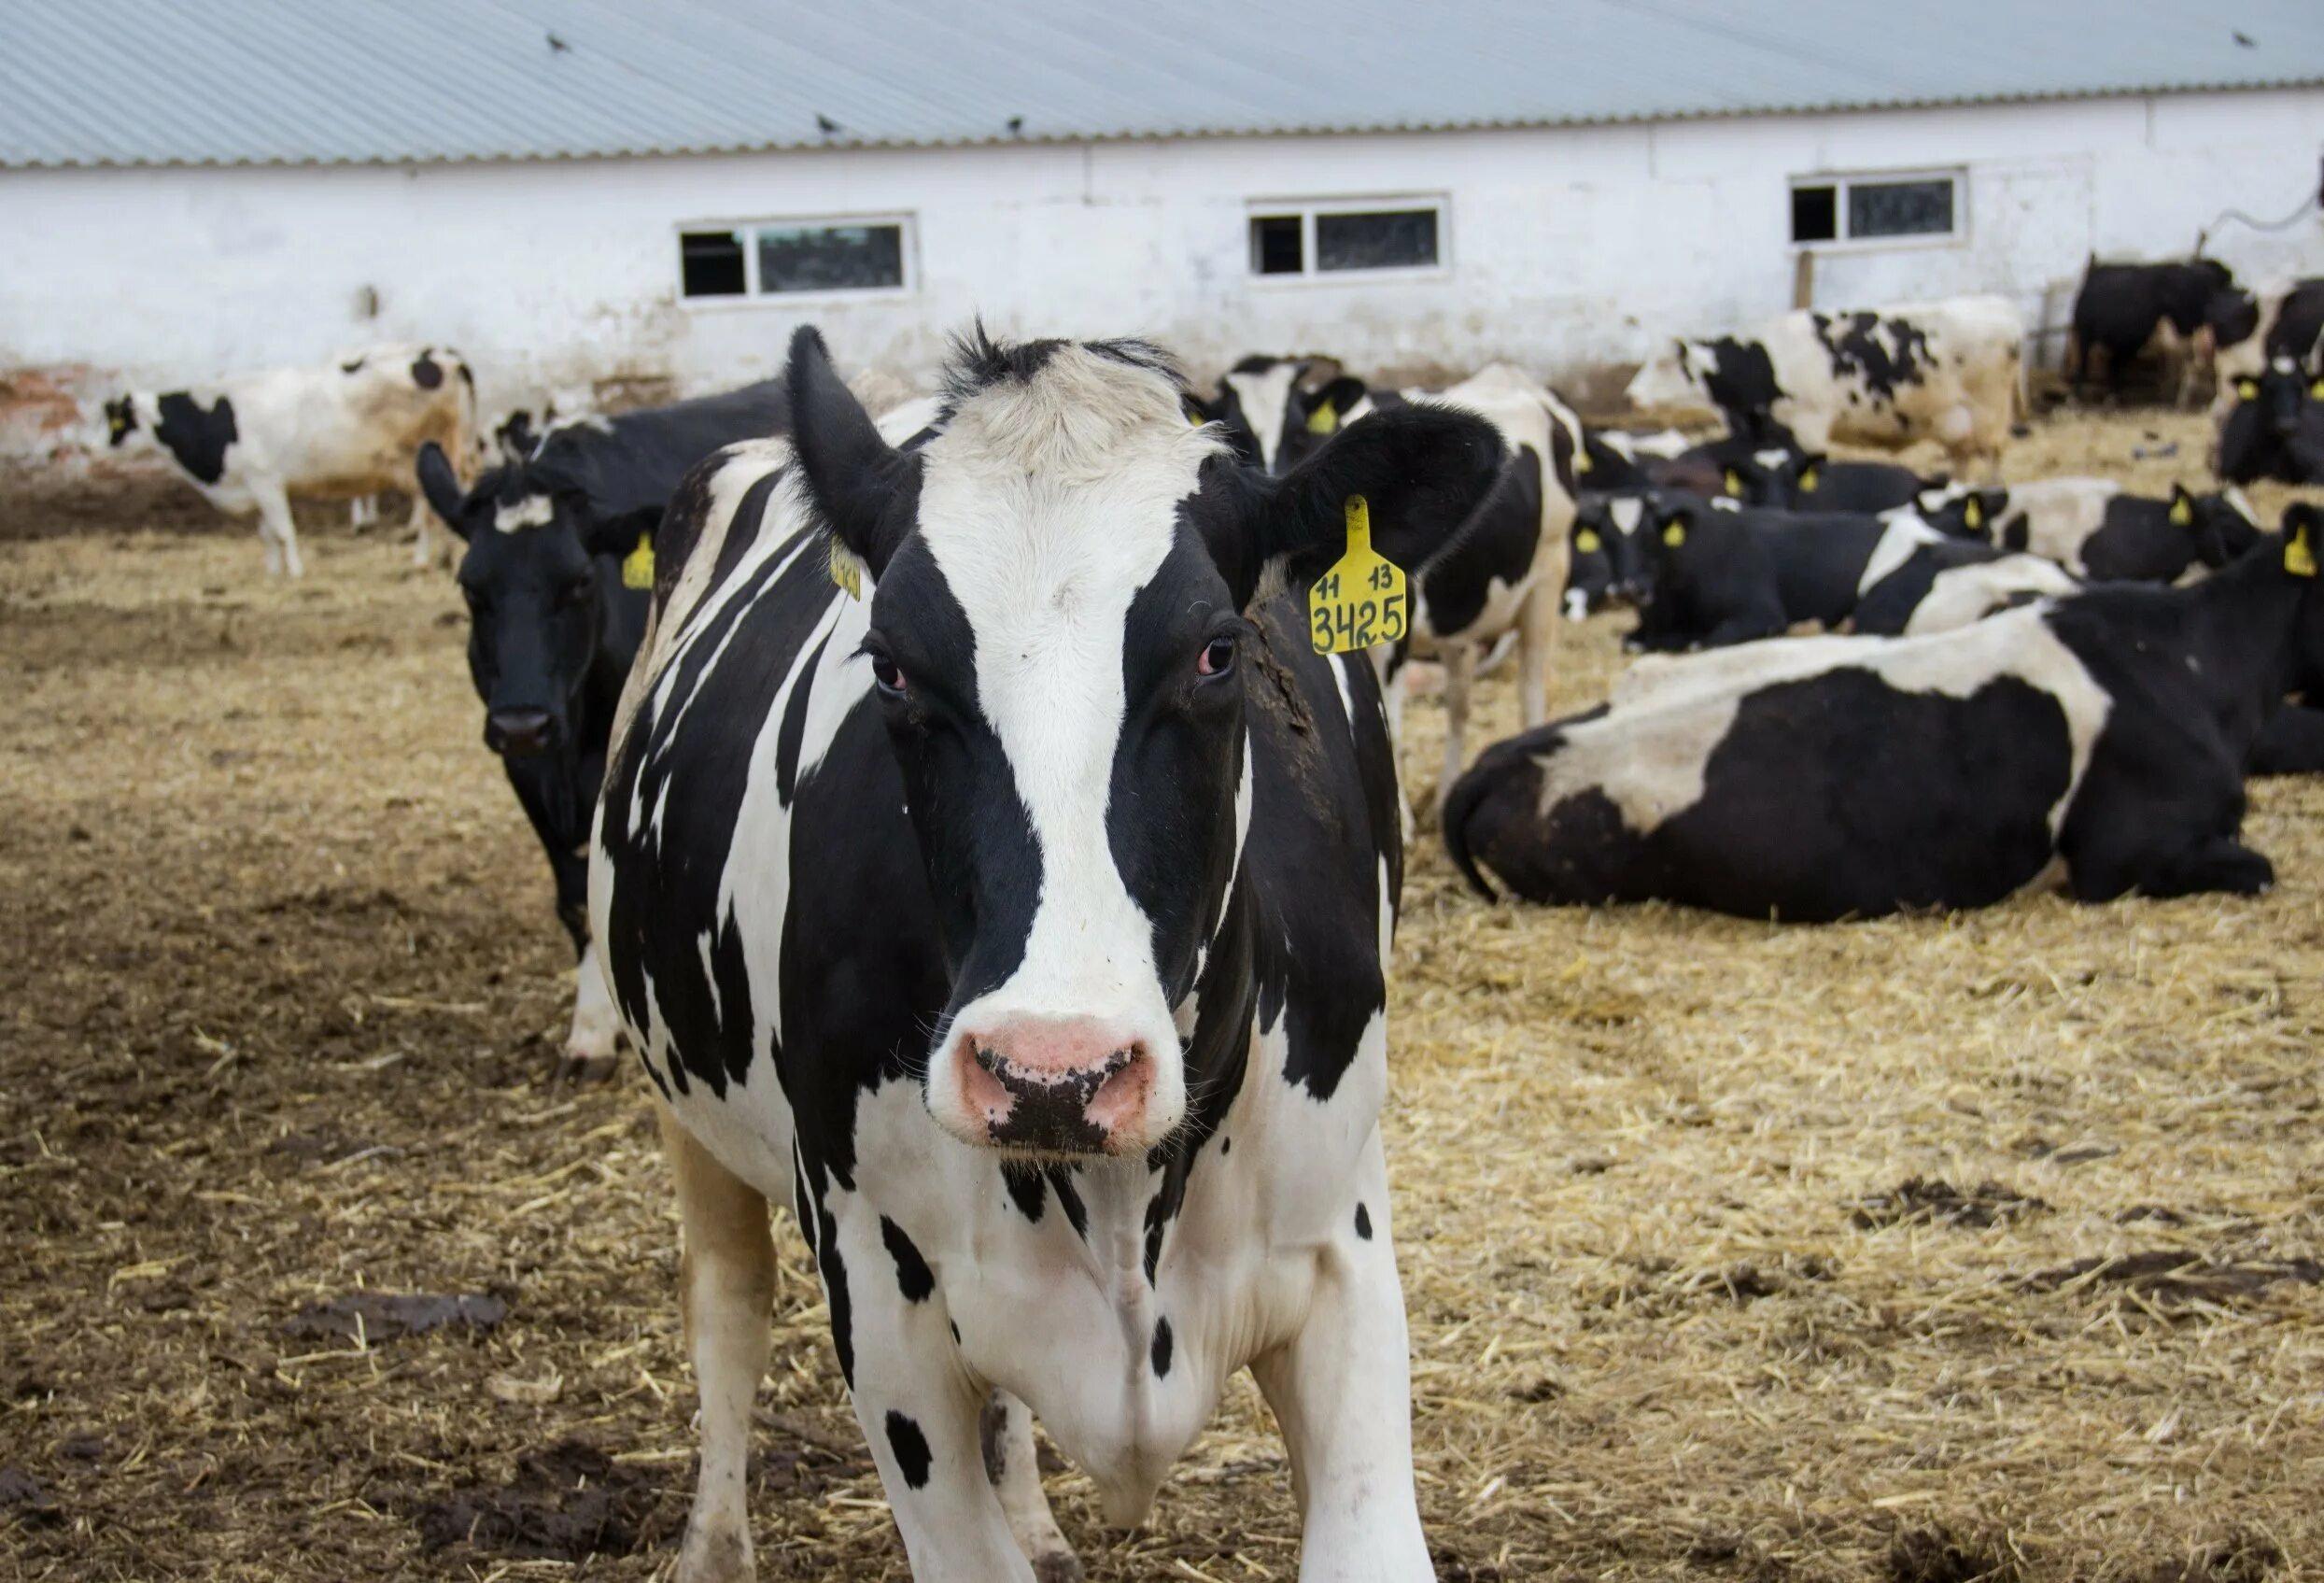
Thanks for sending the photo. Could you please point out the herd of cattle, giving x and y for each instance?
(951, 810)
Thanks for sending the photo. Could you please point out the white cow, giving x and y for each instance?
(341, 432)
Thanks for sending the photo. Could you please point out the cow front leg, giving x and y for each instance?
(726, 1294)
(420, 547)
(1342, 1391)
(919, 1409)
(593, 1046)
(1006, 1431)
(281, 533)
(1459, 656)
(1537, 631)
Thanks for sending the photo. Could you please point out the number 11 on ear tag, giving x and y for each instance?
(1360, 601)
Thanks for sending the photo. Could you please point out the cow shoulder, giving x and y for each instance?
(197, 436)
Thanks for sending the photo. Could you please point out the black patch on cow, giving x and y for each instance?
(911, 1447)
(1027, 1189)
(1158, 1214)
(1069, 1200)
(1561, 457)
(1160, 1350)
(833, 1266)
(913, 1276)
(1740, 382)
(1857, 348)
(978, 363)
(196, 435)
(354, 367)
(992, 1437)
(1498, 543)
(427, 372)
(1363, 1223)
(794, 732)
(1225, 1145)
(2016, 534)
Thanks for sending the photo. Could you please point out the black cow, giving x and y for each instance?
(1611, 565)
(1022, 923)
(1805, 481)
(2094, 529)
(1820, 779)
(1726, 576)
(560, 562)
(2276, 430)
(2120, 306)
(1276, 411)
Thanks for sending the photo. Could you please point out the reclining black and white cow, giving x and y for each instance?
(2276, 430)
(559, 558)
(1822, 778)
(1949, 372)
(2283, 319)
(1023, 924)
(2095, 528)
(345, 430)
(1811, 481)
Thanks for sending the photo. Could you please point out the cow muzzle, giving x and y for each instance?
(1051, 1085)
(520, 733)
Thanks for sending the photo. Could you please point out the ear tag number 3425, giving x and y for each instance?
(1360, 601)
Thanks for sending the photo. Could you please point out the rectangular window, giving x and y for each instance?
(1876, 208)
(777, 258)
(1347, 236)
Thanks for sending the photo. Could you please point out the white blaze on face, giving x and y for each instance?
(533, 511)
(1266, 398)
(1045, 546)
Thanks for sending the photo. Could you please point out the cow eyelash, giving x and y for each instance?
(885, 671)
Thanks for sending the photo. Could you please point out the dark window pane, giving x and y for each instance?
(1815, 214)
(830, 258)
(1274, 245)
(710, 264)
(1899, 208)
(1388, 239)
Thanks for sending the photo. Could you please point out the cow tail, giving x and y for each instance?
(1459, 808)
(471, 442)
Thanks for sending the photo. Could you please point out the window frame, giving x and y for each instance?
(1840, 180)
(754, 294)
(1439, 203)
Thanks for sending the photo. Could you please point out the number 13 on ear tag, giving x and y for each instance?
(1360, 601)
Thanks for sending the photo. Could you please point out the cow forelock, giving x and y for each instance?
(526, 511)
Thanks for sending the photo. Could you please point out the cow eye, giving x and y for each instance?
(1217, 656)
(575, 592)
(888, 674)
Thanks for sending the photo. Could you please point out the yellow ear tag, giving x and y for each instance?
(1674, 533)
(1325, 418)
(1588, 541)
(1808, 479)
(2182, 515)
(1734, 483)
(1974, 512)
(2317, 389)
(2299, 560)
(637, 567)
(1582, 462)
(2247, 389)
(1360, 601)
(847, 570)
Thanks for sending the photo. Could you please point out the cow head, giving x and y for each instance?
(1276, 411)
(1962, 510)
(539, 567)
(2223, 525)
(1610, 564)
(2263, 434)
(123, 419)
(1060, 642)
(1678, 376)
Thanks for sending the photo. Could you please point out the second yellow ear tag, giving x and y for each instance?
(1734, 483)
(1360, 601)
(1808, 479)
(1974, 512)
(2299, 560)
(637, 567)
(1324, 420)
(847, 570)
(1588, 541)
(2182, 515)
(1674, 533)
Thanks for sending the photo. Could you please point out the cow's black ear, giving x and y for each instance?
(441, 484)
(1336, 398)
(621, 534)
(1810, 470)
(1198, 411)
(2182, 507)
(866, 492)
(1423, 470)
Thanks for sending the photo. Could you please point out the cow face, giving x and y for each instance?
(1060, 651)
(1276, 411)
(1962, 510)
(538, 568)
(122, 421)
(1610, 565)
(2223, 525)
(1678, 376)
(2266, 433)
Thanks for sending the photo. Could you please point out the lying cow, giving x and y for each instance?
(2123, 307)
(1610, 564)
(2277, 427)
(342, 431)
(2249, 329)
(2094, 529)
(1076, 1094)
(1951, 581)
(1831, 778)
(1949, 372)
(1726, 576)
(561, 554)
(1811, 481)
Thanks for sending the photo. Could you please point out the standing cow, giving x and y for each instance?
(1949, 372)
(561, 547)
(341, 432)
(2123, 307)
(1022, 923)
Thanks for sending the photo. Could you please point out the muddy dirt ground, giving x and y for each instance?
(1931, 1250)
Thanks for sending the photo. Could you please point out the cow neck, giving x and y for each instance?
(2231, 635)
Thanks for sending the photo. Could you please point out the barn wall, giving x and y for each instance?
(1568, 248)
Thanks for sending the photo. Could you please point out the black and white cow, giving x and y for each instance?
(560, 560)
(2096, 529)
(1949, 372)
(345, 430)
(1023, 924)
(1817, 778)
(1811, 480)
(2121, 308)
(1723, 574)
(2284, 319)
(2276, 430)
(1276, 410)
(1611, 565)
(1952, 582)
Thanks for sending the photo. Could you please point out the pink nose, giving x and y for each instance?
(1065, 1086)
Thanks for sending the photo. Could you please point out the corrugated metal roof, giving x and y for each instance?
(148, 82)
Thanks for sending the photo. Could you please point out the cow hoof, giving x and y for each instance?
(587, 1068)
(1057, 1567)
(715, 1556)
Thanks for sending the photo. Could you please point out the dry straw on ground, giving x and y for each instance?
(1929, 1249)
